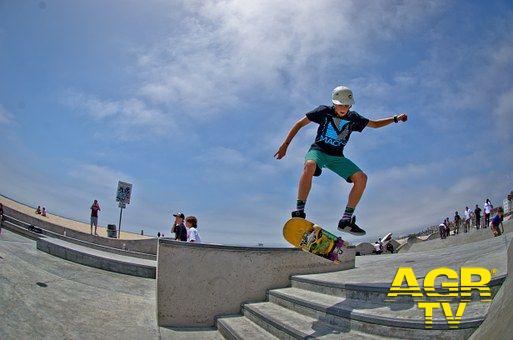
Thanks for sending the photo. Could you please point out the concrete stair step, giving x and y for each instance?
(239, 327)
(288, 324)
(398, 319)
(372, 292)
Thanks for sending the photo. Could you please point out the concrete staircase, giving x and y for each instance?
(351, 304)
(310, 309)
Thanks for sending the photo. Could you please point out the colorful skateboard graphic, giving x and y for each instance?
(312, 238)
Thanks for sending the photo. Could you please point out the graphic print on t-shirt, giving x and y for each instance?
(336, 134)
(333, 132)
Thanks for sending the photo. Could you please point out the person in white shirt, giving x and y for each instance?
(467, 219)
(191, 223)
(487, 211)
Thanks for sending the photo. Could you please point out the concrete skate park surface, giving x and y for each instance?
(42, 296)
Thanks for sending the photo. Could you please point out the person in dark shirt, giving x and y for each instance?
(496, 222)
(95, 207)
(457, 222)
(336, 123)
(477, 213)
(179, 227)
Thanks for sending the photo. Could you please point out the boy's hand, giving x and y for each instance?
(281, 151)
(402, 117)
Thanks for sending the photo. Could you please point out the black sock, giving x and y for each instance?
(348, 213)
(300, 205)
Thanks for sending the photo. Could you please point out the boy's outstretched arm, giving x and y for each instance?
(384, 122)
(297, 126)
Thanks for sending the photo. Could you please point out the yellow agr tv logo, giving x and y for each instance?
(453, 287)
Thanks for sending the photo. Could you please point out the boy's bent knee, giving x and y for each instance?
(359, 178)
(310, 167)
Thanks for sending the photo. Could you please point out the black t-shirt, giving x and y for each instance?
(180, 232)
(333, 132)
(477, 211)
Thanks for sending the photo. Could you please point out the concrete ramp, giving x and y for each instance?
(499, 320)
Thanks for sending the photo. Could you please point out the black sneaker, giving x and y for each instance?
(299, 213)
(349, 226)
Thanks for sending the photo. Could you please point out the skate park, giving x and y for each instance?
(363, 124)
(58, 289)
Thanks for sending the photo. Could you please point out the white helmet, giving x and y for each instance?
(342, 95)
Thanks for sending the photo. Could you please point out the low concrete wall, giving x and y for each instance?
(197, 282)
(499, 320)
(148, 246)
(89, 259)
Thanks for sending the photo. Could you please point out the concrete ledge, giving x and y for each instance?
(197, 282)
(97, 259)
(21, 228)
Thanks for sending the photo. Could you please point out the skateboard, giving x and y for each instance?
(313, 238)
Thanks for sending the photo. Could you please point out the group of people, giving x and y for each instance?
(184, 228)
(40, 211)
(188, 231)
(473, 218)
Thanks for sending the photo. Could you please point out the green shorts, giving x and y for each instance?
(338, 164)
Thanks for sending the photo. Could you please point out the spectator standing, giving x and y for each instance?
(487, 211)
(467, 219)
(457, 222)
(496, 222)
(158, 234)
(1, 216)
(191, 222)
(477, 212)
(179, 228)
(94, 216)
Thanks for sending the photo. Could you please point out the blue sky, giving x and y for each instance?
(190, 100)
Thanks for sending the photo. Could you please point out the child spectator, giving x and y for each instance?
(487, 211)
(191, 223)
(38, 210)
(94, 216)
(496, 222)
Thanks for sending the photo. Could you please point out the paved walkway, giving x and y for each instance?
(42, 296)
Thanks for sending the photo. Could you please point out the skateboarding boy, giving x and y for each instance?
(336, 123)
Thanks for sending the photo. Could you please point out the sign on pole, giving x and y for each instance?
(123, 198)
(124, 192)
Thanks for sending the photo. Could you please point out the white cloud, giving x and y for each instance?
(504, 114)
(228, 50)
(5, 117)
(127, 119)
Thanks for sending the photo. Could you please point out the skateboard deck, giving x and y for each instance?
(312, 238)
